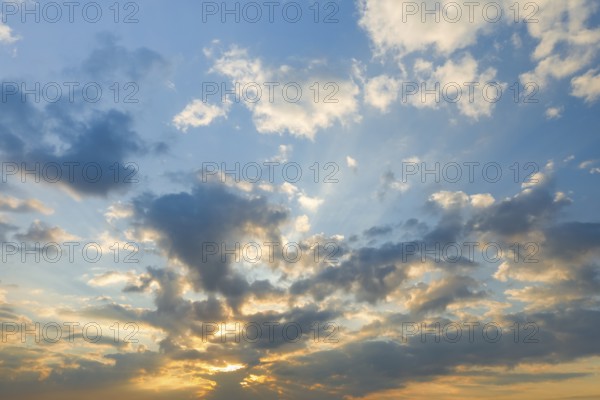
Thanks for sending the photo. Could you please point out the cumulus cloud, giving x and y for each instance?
(566, 42)
(398, 28)
(6, 34)
(198, 113)
(310, 203)
(302, 224)
(449, 200)
(186, 223)
(389, 183)
(465, 85)
(70, 136)
(381, 91)
(9, 203)
(295, 108)
(41, 232)
(587, 86)
(554, 112)
(351, 163)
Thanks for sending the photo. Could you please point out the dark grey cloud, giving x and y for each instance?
(572, 240)
(387, 183)
(209, 214)
(370, 272)
(69, 373)
(377, 231)
(449, 290)
(372, 358)
(533, 208)
(79, 134)
(367, 366)
(109, 60)
(97, 146)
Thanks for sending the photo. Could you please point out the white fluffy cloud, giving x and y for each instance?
(309, 203)
(351, 162)
(449, 200)
(554, 112)
(9, 203)
(587, 86)
(381, 91)
(6, 35)
(566, 43)
(460, 82)
(302, 224)
(393, 28)
(118, 211)
(301, 102)
(199, 113)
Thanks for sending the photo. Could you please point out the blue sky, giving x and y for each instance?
(162, 144)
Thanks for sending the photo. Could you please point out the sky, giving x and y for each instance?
(346, 199)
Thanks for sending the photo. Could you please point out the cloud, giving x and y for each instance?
(393, 29)
(43, 233)
(98, 148)
(198, 113)
(521, 213)
(6, 35)
(12, 204)
(118, 211)
(587, 164)
(566, 43)
(375, 231)
(87, 145)
(381, 91)
(590, 166)
(111, 278)
(369, 273)
(482, 200)
(554, 112)
(449, 200)
(302, 224)
(388, 183)
(437, 296)
(311, 204)
(454, 74)
(110, 60)
(293, 107)
(363, 367)
(459, 81)
(587, 86)
(351, 163)
(186, 222)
